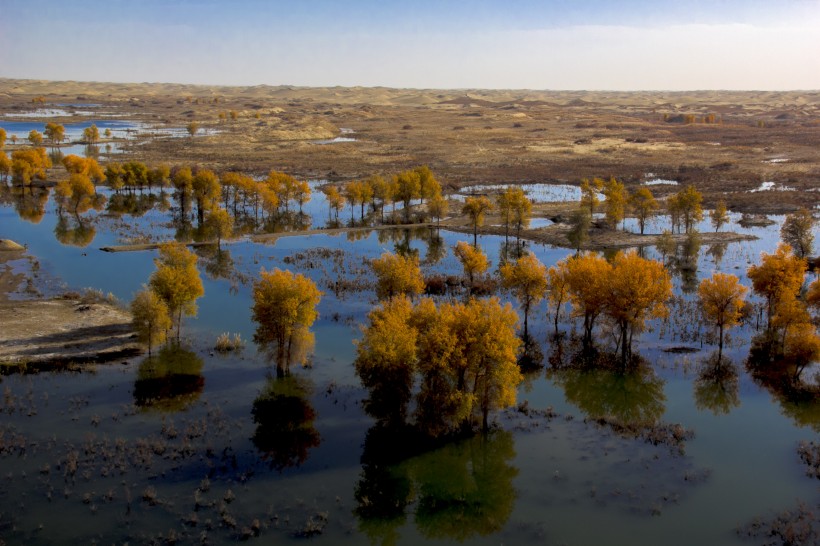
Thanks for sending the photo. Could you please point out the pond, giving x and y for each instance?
(74, 130)
(537, 193)
(190, 445)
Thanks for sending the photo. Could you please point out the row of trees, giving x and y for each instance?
(377, 192)
(55, 133)
(514, 208)
(685, 207)
(628, 290)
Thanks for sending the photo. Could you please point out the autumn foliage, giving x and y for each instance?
(284, 309)
(397, 275)
(464, 356)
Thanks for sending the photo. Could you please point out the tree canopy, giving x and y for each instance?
(284, 309)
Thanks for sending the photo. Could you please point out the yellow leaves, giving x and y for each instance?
(644, 205)
(151, 318)
(587, 277)
(527, 279)
(721, 299)
(91, 134)
(637, 290)
(465, 355)
(514, 207)
(685, 206)
(589, 194)
(29, 163)
(396, 274)
(797, 231)
(437, 206)
(284, 309)
(629, 291)
(616, 202)
(55, 132)
(475, 208)
(719, 215)
(472, 259)
(176, 279)
(779, 276)
(219, 224)
(802, 346)
(388, 341)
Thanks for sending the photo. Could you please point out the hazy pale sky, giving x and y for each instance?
(510, 44)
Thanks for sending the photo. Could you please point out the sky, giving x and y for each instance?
(443, 44)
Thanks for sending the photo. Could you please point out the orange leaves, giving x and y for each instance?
(779, 276)
(638, 290)
(629, 291)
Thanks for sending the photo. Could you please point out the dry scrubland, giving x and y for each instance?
(479, 136)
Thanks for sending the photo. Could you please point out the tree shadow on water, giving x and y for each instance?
(284, 419)
(169, 381)
(716, 386)
(461, 489)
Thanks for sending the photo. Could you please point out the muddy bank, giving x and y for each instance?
(43, 333)
(601, 239)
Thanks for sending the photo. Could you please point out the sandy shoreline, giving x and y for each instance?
(44, 333)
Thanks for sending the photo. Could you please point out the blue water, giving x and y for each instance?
(558, 481)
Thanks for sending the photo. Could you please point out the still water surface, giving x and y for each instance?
(220, 447)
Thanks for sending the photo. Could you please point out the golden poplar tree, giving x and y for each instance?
(54, 133)
(719, 216)
(151, 318)
(722, 299)
(397, 275)
(797, 232)
(644, 205)
(386, 359)
(558, 287)
(779, 277)
(219, 224)
(476, 208)
(589, 194)
(284, 309)
(472, 259)
(587, 278)
(616, 202)
(527, 279)
(206, 192)
(636, 290)
(176, 281)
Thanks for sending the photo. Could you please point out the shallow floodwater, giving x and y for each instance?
(191, 445)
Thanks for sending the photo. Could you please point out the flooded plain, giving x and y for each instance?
(191, 445)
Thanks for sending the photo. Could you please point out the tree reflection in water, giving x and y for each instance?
(799, 398)
(461, 490)
(74, 232)
(436, 249)
(284, 421)
(30, 203)
(132, 204)
(716, 387)
(170, 380)
(633, 397)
